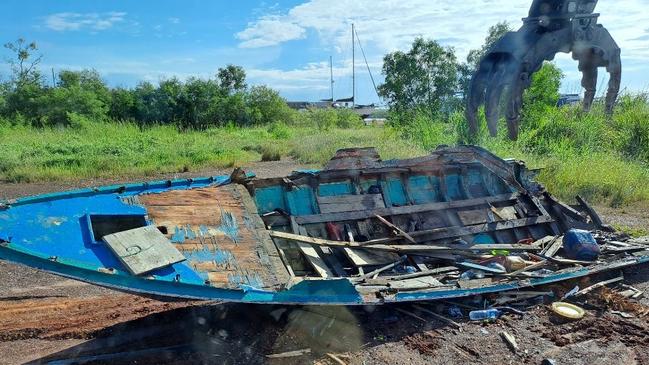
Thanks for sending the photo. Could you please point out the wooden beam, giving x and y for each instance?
(398, 231)
(401, 248)
(410, 209)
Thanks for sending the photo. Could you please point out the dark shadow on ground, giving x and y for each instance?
(242, 334)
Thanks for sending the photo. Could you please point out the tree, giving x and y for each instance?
(232, 78)
(420, 79)
(473, 58)
(266, 106)
(122, 104)
(23, 64)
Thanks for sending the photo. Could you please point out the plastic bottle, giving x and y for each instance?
(485, 314)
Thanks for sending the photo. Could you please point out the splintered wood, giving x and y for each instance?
(223, 239)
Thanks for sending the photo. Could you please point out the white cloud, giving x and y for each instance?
(270, 31)
(77, 21)
(388, 25)
(174, 20)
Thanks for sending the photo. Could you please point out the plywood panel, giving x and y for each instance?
(143, 249)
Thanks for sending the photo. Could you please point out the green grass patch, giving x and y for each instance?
(120, 150)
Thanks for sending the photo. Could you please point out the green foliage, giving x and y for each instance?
(266, 106)
(232, 78)
(420, 79)
(24, 62)
(124, 149)
(326, 119)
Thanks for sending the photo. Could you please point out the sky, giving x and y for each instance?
(285, 45)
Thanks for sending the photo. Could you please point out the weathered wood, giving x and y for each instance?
(510, 340)
(441, 270)
(411, 209)
(551, 249)
(398, 231)
(599, 285)
(143, 249)
(380, 270)
(401, 248)
(350, 203)
(315, 260)
(295, 353)
(593, 214)
(361, 257)
(426, 282)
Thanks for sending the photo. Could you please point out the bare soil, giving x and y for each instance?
(46, 318)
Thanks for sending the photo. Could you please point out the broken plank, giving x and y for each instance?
(410, 209)
(535, 266)
(295, 353)
(399, 231)
(369, 257)
(315, 260)
(551, 249)
(599, 285)
(441, 270)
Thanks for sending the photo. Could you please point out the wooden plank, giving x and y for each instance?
(401, 248)
(551, 249)
(425, 282)
(398, 231)
(143, 249)
(315, 260)
(420, 208)
(350, 203)
(369, 258)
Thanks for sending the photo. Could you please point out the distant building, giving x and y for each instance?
(568, 99)
(344, 103)
(304, 105)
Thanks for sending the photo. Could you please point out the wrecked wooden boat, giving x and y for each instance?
(456, 223)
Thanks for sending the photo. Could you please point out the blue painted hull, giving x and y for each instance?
(50, 232)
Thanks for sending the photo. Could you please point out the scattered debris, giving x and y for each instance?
(568, 310)
(510, 340)
(295, 353)
(598, 285)
(336, 359)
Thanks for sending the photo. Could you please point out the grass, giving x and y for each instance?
(118, 150)
(606, 160)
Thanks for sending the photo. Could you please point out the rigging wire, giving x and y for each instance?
(367, 64)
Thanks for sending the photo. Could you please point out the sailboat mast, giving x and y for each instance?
(353, 66)
(331, 76)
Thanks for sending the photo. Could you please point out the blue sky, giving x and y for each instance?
(286, 44)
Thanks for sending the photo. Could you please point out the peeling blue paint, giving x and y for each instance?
(229, 226)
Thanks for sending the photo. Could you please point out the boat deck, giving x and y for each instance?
(220, 234)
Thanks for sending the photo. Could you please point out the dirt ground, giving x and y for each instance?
(48, 319)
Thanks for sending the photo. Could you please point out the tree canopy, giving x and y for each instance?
(420, 79)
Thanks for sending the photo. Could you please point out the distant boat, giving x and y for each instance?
(360, 231)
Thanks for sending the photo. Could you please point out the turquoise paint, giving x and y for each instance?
(269, 199)
(454, 187)
(475, 182)
(335, 189)
(423, 189)
(396, 195)
(301, 201)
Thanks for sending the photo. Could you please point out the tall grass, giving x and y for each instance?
(114, 150)
(603, 159)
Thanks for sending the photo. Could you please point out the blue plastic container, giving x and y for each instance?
(580, 245)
